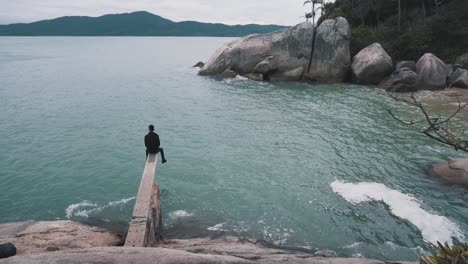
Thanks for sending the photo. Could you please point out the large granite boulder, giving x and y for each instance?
(463, 60)
(406, 64)
(289, 49)
(371, 65)
(402, 81)
(331, 61)
(35, 237)
(432, 71)
(459, 78)
(455, 171)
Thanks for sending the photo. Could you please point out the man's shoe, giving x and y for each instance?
(164, 161)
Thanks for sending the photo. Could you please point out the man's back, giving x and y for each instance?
(152, 142)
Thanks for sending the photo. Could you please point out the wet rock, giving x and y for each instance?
(401, 81)
(7, 250)
(292, 75)
(455, 171)
(265, 66)
(199, 64)
(290, 48)
(254, 76)
(331, 61)
(371, 65)
(406, 64)
(432, 71)
(463, 60)
(228, 74)
(34, 237)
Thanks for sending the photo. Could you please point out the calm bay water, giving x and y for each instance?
(319, 167)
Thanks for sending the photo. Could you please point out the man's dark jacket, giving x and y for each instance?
(152, 143)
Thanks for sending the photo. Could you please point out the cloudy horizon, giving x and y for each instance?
(280, 12)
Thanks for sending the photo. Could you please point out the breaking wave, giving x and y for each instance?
(179, 214)
(433, 227)
(85, 208)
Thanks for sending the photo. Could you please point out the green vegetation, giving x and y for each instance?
(406, 29)
(444, 254)
(133, 24)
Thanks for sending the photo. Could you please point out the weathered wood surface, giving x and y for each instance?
(144, 229)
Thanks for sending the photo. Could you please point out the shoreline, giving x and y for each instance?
(72, 242)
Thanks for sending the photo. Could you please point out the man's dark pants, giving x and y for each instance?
(159, 150)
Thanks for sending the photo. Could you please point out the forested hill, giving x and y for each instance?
(132, 24)
(436, 26)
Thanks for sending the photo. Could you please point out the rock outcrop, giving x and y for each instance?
(406, 64)
(187, 252)
(371, 65)
(199, 64)
(284, 50)
(432, 71)
(36, 237)
(462, 60)
(402, 81)
(331, 60)
(455, 171)
(69, 242)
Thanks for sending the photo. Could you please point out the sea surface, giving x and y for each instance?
(317, 167)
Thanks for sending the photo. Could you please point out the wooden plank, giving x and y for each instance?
(142, 217)
(158, 216)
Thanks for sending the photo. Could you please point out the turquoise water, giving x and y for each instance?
(318, 167)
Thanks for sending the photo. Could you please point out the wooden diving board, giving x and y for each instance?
(145, 225)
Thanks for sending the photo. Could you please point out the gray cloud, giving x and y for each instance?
(285, 12)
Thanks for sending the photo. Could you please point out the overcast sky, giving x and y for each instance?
(284, 12)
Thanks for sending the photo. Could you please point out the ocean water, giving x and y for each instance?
(318, 167)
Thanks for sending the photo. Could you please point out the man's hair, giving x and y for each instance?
(151, 127)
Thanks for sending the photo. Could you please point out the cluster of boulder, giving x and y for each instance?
(285, 55)
(428, 73)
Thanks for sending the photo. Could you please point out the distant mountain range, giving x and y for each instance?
(130, 24)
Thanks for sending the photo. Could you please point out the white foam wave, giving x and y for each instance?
(84, 208)
(326, 253)
(353, 245)
(77, 209)
(238, 78)
(120, 202)
(217, 227)
(276, 236)
(179, 214)
(433, 227)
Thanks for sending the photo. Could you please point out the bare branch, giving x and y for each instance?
(437, 126)
(410, 123)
